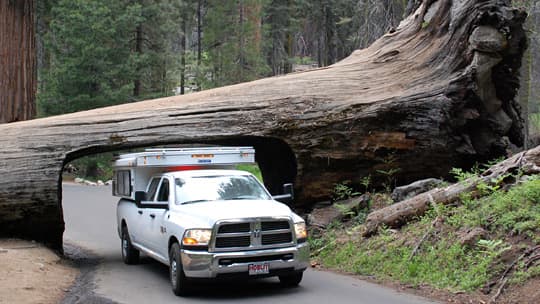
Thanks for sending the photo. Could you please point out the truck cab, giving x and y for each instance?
(204, 219)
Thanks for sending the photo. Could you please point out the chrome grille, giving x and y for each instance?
(253, 234)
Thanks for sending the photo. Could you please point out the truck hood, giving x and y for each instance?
(210, 212)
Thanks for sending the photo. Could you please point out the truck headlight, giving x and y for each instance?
(194, 237)
(301, 231)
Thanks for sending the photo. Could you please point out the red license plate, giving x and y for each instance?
(260, 268)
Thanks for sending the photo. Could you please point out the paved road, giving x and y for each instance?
(89, 214)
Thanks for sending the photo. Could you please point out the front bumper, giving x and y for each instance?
(199, 264)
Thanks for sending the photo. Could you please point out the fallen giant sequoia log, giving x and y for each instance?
(434, 93)
(396, 215)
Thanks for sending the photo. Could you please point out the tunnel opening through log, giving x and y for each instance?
(275, 166)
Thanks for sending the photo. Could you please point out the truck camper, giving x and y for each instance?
(190, 209)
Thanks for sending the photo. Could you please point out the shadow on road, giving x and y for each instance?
(238, 289)
(225, 289)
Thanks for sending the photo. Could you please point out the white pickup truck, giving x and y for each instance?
(186, 209)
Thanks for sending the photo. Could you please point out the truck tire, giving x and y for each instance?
(130, 255)
(178, 277)
(291, 280)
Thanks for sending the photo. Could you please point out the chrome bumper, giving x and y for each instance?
(199, 264)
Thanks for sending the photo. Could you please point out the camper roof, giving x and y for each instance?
(167, 157)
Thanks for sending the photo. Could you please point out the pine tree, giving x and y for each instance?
(90, 56)
(278, 32)
(232, 40)
(102, 52)
(151, 42)
(106, 52)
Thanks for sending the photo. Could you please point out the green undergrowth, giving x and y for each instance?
(510, 219)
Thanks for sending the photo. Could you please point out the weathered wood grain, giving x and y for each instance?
(419, 100)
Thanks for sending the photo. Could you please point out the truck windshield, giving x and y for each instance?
(222, 187)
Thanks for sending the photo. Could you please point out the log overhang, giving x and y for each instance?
(434, 93)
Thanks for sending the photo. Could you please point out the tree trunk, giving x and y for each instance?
(436, 93)
(199, 42)
(287, 65)
(183, 55)
(139, 51)
(199, 32)
(288, 43)
(18, 74)
(396, 215)
(241, 39)
(534, 74)
(329, 38)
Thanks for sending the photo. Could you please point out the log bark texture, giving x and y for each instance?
(18, 73)
(396, 215)
(435, 93)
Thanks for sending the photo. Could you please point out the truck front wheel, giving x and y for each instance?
(178, 278)
(291, 280)
(130, 255)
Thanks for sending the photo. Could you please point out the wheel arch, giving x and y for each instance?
(121, 227)
(172, 240)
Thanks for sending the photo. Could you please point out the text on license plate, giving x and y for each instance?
(260, 268)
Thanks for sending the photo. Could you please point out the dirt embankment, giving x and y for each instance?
(32, 273)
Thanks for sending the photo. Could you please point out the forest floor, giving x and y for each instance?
(31, 273)
(526, 293)
(481, 250)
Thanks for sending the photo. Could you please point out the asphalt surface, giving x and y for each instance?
(89, 213)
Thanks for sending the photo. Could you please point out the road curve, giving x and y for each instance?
(89, 213)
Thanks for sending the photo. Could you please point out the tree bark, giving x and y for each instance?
(18, 74)
(436, 93)
(396, 215)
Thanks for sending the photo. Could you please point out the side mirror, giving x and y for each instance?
(139, 197)
(289, 189)
(288, 194)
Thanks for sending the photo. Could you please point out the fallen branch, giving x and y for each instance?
(504, 279)
(428, 232)
(396, 215)
(316, 252)
(499, 291)
(531, 260)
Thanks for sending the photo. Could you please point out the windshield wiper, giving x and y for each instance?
(243, 197)
(195, 201)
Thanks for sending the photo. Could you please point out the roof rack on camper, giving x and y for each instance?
(166, 157)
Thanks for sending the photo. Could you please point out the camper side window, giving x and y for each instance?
(123, 183)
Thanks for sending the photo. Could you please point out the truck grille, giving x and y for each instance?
(275, 225)
(234, 228)
(237, 241)
(255, 234)
(271, 239)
